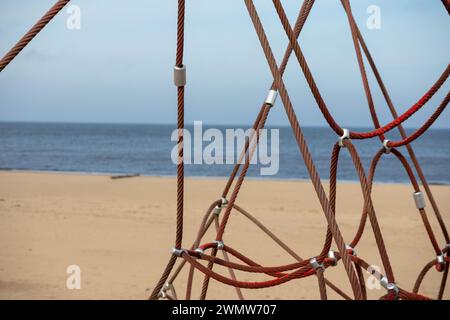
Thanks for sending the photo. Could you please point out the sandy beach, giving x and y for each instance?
(120, 232)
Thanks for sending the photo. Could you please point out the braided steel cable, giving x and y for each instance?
(237, 187)
(33, 32)
(362, 68)
(302, 268)
(315, 179)
(180, 164)
(323, 107)
(329, 207)
(404, 136)
(300, 22)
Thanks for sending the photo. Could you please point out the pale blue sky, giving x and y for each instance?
(118, 67)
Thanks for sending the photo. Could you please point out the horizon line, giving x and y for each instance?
(174, 123)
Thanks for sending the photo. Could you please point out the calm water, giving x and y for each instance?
(146, 149)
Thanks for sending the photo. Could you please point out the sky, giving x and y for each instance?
(118, 67)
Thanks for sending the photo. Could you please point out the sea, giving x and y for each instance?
(145, 149)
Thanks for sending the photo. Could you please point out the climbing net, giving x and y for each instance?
(207, 252)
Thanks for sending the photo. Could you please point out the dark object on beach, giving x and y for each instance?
(126, 176)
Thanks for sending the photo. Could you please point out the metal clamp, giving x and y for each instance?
(199, 250)
(345, 135)
(384, 282)
(162, 294)
(332, 257)
(316, 265)
(167, 286)
(419, 200)
(179, 76)
(177, 252)
(440, 259)
(217, 210)
(220, 245)
(393, 287)
(389, 286)
(219, 207)
(387, 149)
(271, 98)
(350, 248)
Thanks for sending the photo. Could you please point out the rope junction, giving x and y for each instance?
(344, 252)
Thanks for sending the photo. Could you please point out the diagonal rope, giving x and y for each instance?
(26, 39)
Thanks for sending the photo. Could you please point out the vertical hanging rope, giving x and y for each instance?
(180, 165)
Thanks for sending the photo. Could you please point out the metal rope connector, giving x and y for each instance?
(384, 282)
(440, 259)
(167, 286)
(219, 207)
(179, 76)
(271, 98)
(419, 200)
(316, 265)
(393, 287)
(389, 286)
(177, 252)
(217, 210)
(220, 245)
(345, 135)
(350, 250)
(162, 294)
(332, 257)
(387, 149)
(199, 250)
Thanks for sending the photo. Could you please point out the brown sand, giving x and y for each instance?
(120, 233)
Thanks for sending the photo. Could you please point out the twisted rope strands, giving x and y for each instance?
(300, 22)
(227, 259)
(180, 165)
(409, 148)
(323, 107)
(371, 212)
(285, 247)
(362, 69)
(26, 39)
(303, 146)
(233, 197)
(204, 227)
(402, 293)
(353, 264)
(403, 135)
(322, 286)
